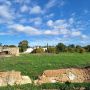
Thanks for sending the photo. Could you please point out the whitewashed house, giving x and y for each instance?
(44, 49)
(29, 50)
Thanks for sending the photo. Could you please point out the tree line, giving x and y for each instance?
(60, 47)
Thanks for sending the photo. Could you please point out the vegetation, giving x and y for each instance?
(87, 48)
(23, 45)
(56, 86)
(51, 50)
(38, 50)
(34, 64)
(0, 44)
(60, 47)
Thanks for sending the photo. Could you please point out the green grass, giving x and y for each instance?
(49, 86)
(33, 65)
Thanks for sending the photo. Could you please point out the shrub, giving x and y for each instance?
(51, 50)
(38, 50)
(72, 50)
(81, 50)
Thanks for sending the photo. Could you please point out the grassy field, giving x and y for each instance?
(33, 65)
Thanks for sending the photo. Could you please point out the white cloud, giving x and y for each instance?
(51, 3)
(34, 31)
(58, 24)
(76, 33)
(50, 15)
(26, 29)
(5, 12)
(6, 33)
(61, 23)
(86, 11)
(36, 10)
(71, 20)
(3, 33)
(50, 23)
(23, 20)
(5, 2)
(51, 32)
(62, 3)
(36, 21)
(22, 1)
(65, 28)
(24, 8)
(84, 37)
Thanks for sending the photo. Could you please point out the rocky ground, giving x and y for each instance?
(13, 78)
(73, 75)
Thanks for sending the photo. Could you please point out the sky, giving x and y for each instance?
(45, 21)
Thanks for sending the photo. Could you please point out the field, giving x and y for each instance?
(33, 65)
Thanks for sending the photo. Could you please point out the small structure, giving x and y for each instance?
(14, 51)
(29, 50)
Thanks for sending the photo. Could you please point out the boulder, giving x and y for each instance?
(13, 78)
(74, 75)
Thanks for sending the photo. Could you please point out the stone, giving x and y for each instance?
(13, 78)
(74, 75)
(71, 76)
(25, 79)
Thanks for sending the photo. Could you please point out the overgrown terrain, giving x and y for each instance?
(33, 65)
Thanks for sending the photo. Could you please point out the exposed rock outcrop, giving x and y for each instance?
(64, 75)
(13, 78)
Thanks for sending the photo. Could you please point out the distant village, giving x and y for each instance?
(15, 50)
(24, 48)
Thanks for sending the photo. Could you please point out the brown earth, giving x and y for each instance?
(64, 75)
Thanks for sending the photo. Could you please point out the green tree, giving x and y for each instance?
(72, 46)
(60, 47)
(87, 48)
(23, 45)
(11, 46)
(0, 44)
(78, 47)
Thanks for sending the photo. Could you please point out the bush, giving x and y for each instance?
(81, 50)
(51, 50)
(38, 50)
(72, 50)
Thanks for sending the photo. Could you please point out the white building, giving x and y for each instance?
(29, 50)
(44, 49)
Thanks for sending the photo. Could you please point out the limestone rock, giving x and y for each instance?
(64, 75)
(12, 78)
(25, 79)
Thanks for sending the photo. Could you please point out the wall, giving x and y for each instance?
(14, 51)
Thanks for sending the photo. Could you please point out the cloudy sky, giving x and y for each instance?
(45, 21)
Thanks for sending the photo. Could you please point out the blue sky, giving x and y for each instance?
(45, 21)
